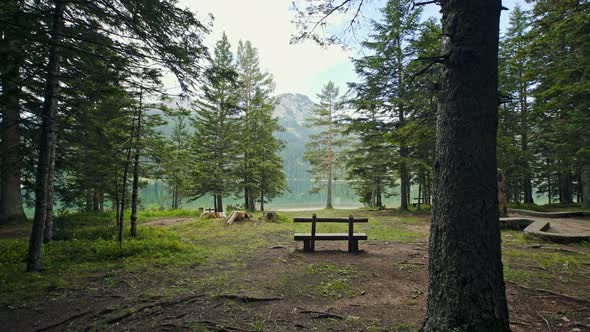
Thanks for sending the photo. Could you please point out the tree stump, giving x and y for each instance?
(270, 216)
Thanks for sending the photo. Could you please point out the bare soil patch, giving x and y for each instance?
(280, 288)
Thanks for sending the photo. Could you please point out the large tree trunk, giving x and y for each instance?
(11, 205)
(46, 141)
(466, 285)
(586, 186)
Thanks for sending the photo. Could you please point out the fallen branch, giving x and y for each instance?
(540, 290)
(247, 299)
(321, 314)
(546, 322)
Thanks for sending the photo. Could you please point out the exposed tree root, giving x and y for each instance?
(321, 314)
(248, 299)
(540, 290)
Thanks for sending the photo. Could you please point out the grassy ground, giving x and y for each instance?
(86, 268)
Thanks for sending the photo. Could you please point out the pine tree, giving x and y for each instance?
(559, 44)
(257, 104)
(514, 155)
(391, 47)
(323, 151)
(466, 288)
(215, 142)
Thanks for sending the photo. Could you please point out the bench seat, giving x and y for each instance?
(329, 236)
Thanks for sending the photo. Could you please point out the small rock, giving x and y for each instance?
(565, 319)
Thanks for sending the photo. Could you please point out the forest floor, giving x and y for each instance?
(184, 273)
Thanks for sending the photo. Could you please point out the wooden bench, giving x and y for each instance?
(310, 238)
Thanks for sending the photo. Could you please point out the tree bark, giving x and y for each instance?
(565, 189)
(11, 205)
(466, 285)
(123, 196)
(330, 158)
(46, 141)
(219, 203)
(135, 190)
(48, 231)
(586, 186)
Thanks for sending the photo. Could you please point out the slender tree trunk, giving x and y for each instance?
(466, 284)
(124, 182)
(246, 199)
(261, 200)
(95, 200)
(565, 188)
(134, 195)
(123, 196)
(11, 205)
(101, 202)
(48, 231)
(116, 201)
(549, 191)
(329, 194)
(46, 139)
(219, 200)
(89, 197)
(586, 186)
(527, 182)
(419, 191)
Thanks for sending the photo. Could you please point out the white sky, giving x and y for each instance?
(302, 68)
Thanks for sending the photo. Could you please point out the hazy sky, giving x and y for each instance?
(301, 68)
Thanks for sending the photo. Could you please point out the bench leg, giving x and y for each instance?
(353, 246)
(307, 246)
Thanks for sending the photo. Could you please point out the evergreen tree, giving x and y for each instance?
(323, 151)
(385, 70)
(175, 160)
(559, 48)
(514, 155)
(216, 138)
(256, 128)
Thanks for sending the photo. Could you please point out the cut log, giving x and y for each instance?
(213, 215)
(237, 216)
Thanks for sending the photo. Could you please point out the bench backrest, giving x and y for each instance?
(314, 219)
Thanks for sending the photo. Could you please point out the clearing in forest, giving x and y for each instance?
(184, 273)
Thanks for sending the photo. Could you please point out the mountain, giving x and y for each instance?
(292, 110)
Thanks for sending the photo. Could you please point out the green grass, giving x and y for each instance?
(68, 261)
(548, 208)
